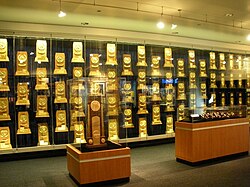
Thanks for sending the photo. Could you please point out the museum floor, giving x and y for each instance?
(151, 166)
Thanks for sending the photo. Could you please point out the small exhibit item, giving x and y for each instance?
(41, 51)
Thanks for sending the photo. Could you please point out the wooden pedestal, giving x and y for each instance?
(196, 142)
(98, 166)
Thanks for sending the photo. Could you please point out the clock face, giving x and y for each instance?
(95, 106)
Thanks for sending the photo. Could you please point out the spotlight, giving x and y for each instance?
(174, 26)
(248, 37)
(160, 25)
(61, 13)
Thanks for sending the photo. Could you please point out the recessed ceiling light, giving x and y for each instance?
(229, 15)
(248, 37)
(160, 25)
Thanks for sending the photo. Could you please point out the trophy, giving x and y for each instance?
(231, 61)
(181, 113)
(112, 105)
(203, 72)
(61, 125)
(222, 80)
(77, 107)
(4, 109)
(192, 101)
(112, 84)
(111, 55)
(231, 81)
(240, 99)
(213, 80)
(142, 104)
(248, 99)
(73, 120)
(231, 99)
(77, 72)
(239, 60)
(77, 53)
(155, 71)
(41, 79)
(156, 115)
(60, 64)
(192, 81)
(23, 123)
(4, 50)
(41, 51)
(43, 134)
(181, 68)
(60, 96)
(240, 81)
(22, 64)
(4, 87)
(143, 127)
(141, 55)
(248, 80)
(223, 99)
(127, 93)
(42, 106)
(141, 79)
(156, 92)
(203, 90)
(128, 123)
(213, 96)
(113, 129)
(94, 66)
(127, 69)
(22, 94)
(169, 103)
(169, 80)
(191, 59)
(222, 61)
(170, 124)
(5, 137)
(212, 61)
(168, 58)
(181, 91)
(79, 132)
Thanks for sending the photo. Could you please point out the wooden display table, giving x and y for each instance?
(98, 166)
(201, 141)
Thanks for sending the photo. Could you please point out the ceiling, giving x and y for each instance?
(204, 19)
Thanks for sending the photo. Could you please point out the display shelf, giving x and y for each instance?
(153, 137)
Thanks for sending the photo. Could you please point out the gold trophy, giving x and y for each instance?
(213, 95)
(240, 99)
(239, 60)
(22, 94)
(23, 123)
(169, 77)
(192, 104)
(248, 99)
(192, 80)
(113, 129)
(77, 72)
(156, 115)
(4, 50)
(4, 109)
(155, 71)
(73, 120)
(222, 80)
(127, 93)
(141, 55)
(181, 91)
(41, 51)
(128, 123)
(222, 61)
(181, 68)
(112, 84)
(22, 64)
(112, 105)
(142, 104)
(168, 58)
(169, 103)
(79, 132)
(141, 79)
(240, 81)
(191, 59)
(203, 72)
(42, 106)
(143, 127)
(60, 64)
(203, 90)
(170, 124)
(41, 79)
(43, 134)
(212, 61)
(248, 81)
(4, 87)
(181, 113)
(127, 68)
(77, 107)
(156, 92)
(61, 125)
(213, 80)
(77, 53)
(231, 81)
(223, 99)
(5, 137)
(231, 61)
(60, 96)
(94, 66)
(231, 99)
(111, 55)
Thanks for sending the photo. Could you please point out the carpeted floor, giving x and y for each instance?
(151, 166)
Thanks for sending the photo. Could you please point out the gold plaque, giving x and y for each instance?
(181, 91)
(169, 80)
(168, 58)
(4, 87)
(222, 61)
(77, 53)
(169, 102)
(4, 109)
(113, 129)
(240, 99)
(169, 124)
(181, 113)
(112, 105)
(61, 125)
(4, 50)
(141, 56)
(127, 69)
(41, 79)
(128, 123)
(73, 120)
(112, 84)
(77, 107)
(223, 99)
(42, 106)
(222, 80)
(156, 115)
(203, 90)
(181, 68)
(94, 66)
(111, 55)
(231, 81)
(41, 51)
(155, 66)
(213, 80)
(60, 96)
(43, 134)
(22, 64)
(192, 80)
(5, 138)
(127, 93)
(156, 92)
(192, 101)
(213, 96)
(141, 80)
(203, 71)
(191, 59)
(143, 127)
(212, 61)
(240, 81)
(79, 132)
(60, 64)
(22, 94)
(231, 61)
(239, 61)
(231, 99)
(142, 104)
(77, 72)
(23, 123)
